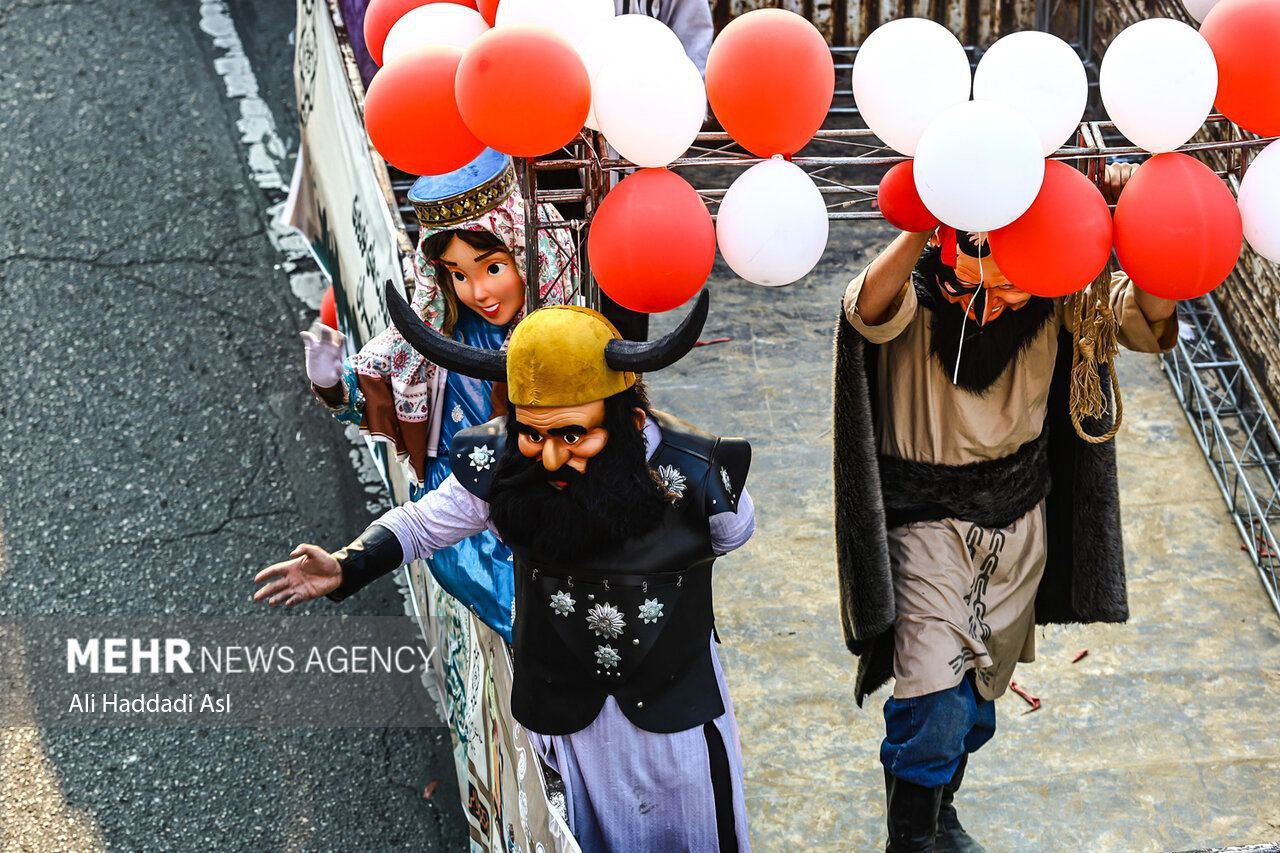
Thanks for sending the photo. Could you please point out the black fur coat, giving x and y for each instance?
(1084, 574)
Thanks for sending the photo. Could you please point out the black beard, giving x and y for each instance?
(988, 349)
(616, 499)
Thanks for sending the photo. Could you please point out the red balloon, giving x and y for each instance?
(329, 308)
(412, 117)
(770, 81)
(1244, 35)
(1178, 231)
(652, 243)
(489, 10)
(381, 16)
(1063, 241)
(900, 201)
(523, 90)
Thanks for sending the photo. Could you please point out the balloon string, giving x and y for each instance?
(982, 278)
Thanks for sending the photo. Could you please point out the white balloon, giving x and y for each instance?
(1199, 8)
(906, 74)
(979, 167)
(577, 21)
(772, 224)
(1260, 203)
(634, 41)
(1158, 82)
(436, 23)
(651, 118)
(1040, 77)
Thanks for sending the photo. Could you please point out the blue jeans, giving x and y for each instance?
(926, 736)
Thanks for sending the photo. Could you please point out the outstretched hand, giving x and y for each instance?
(324, 355)
(311, 573)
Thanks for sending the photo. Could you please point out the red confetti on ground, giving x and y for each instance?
(713, 342)
(1080, 655)
(1264, 552)
(430, 789)
(1029, 698)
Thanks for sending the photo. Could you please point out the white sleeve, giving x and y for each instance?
(731, 530)
(442, 517)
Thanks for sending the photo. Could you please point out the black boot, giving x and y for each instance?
(913, 815)
(951, 836)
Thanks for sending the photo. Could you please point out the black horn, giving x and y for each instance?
(648, 356)
(469, 361)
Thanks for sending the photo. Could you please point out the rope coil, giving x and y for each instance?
(1094, 351)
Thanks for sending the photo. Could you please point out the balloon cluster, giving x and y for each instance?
(770, 81)
(1176, 230)
(524, 77)
(457, 77)
(979, 165)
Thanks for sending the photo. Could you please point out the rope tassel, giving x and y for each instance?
(1094, 352)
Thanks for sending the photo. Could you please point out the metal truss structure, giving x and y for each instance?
(1233, 427)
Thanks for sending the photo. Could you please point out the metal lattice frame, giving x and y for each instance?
(1234, 429)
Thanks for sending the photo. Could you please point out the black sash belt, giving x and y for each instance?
(995, 493)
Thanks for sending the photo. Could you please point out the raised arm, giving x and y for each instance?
(886, 275)
(443, 517)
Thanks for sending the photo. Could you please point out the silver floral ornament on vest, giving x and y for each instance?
(672, 481)
(562, 602)
(608, 657)
(605, 620)
(481, 458)
(650, 611)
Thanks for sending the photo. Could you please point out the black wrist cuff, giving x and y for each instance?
(375, 553)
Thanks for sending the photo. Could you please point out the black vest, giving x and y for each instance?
(634, 622)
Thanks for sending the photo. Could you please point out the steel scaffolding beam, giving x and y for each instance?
(1234, 429)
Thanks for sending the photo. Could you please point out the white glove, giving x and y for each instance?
(324, 355)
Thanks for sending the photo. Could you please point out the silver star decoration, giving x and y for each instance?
(561, 602)
(608, 657)
(481, 458)
(672, 481)
(651, 610)
(724, 478)
(605, 620)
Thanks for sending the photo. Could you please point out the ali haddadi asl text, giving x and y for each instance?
(154, 703)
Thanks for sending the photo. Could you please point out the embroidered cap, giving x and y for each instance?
(456, 197)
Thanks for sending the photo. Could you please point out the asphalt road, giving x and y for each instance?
(157, 444)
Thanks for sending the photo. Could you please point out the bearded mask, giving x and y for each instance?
(574, 474)
(979, 286)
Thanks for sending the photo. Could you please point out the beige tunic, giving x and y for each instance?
(966, 594)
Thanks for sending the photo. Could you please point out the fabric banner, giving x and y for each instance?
(342, 201)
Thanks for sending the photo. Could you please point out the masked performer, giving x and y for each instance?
(968, 508)
(469, 279)
(615, 513)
